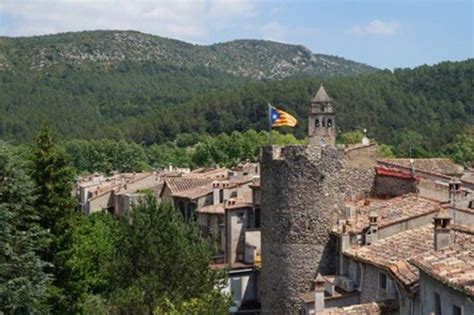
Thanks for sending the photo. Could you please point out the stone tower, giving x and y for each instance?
(303, 189)
(322, 120)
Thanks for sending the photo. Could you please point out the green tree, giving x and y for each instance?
(463, 150)
(93, 241)
(385, 151)
(410, 144)
(208, 304)
(160, 257)
(23, 281)
(352, 137)
(53, 175)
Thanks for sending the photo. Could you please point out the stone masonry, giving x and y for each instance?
(303, 191)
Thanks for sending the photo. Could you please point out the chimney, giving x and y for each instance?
(373, 233)
(454, 191)
(442, 229)
(216, 193)
(319, 294)
(344, 243)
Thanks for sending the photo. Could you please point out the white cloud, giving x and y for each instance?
(184, 19)
(377, 27)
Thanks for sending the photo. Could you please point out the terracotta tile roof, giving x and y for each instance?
(189, 187)
(215, 173)
(393, 253)
(375, 308)
(468, 177)
(116, 184)
(245, 200)
(391, 211)
(430, 165)
(212, 209)
(453, 266)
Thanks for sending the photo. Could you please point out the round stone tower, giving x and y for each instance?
(303, 190)
(301, 201)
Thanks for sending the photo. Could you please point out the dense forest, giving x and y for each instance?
(426, 111)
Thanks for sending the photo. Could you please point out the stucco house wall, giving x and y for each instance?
(449, 297)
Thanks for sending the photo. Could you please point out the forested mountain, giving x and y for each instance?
(257, 59)
(147, 89)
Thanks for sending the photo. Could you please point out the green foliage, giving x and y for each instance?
(208, 304)
(160, 257)
(106, 155)
(23, 281)
(163, 155)
(153, 103)
(224, 149)
(352, 137)
(463, 150)
(410, 144)
(52, 175)
(93, 243)
(59, 79)
(231, 149)
(386, 151)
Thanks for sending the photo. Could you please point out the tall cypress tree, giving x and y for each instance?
(55, 204)
(23, 281)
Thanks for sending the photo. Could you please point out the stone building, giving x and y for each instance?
(354, 222)
(303, 189)
(322, 120)
(116, 193)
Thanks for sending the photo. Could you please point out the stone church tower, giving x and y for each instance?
(322, 120)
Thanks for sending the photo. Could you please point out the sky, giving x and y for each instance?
(385, 34)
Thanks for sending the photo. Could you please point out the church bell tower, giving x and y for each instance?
(322, 120)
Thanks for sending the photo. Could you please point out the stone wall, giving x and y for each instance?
(388, 186)
(303, 191)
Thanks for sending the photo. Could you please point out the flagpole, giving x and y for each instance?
(270, 137)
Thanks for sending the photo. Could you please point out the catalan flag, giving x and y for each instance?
(280, 118)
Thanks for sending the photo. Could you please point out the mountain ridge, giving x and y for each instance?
(247, 58)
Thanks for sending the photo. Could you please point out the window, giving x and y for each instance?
(358, 274)
(437, 304)
(323, 122)
(240, 217)
(257, 217)
(251, 219)
(316, 123)
(345, 266)
(382, 281)
(457, 310)
(236, 289)
(329, 123)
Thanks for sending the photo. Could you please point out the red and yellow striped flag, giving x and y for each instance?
(280, 118)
